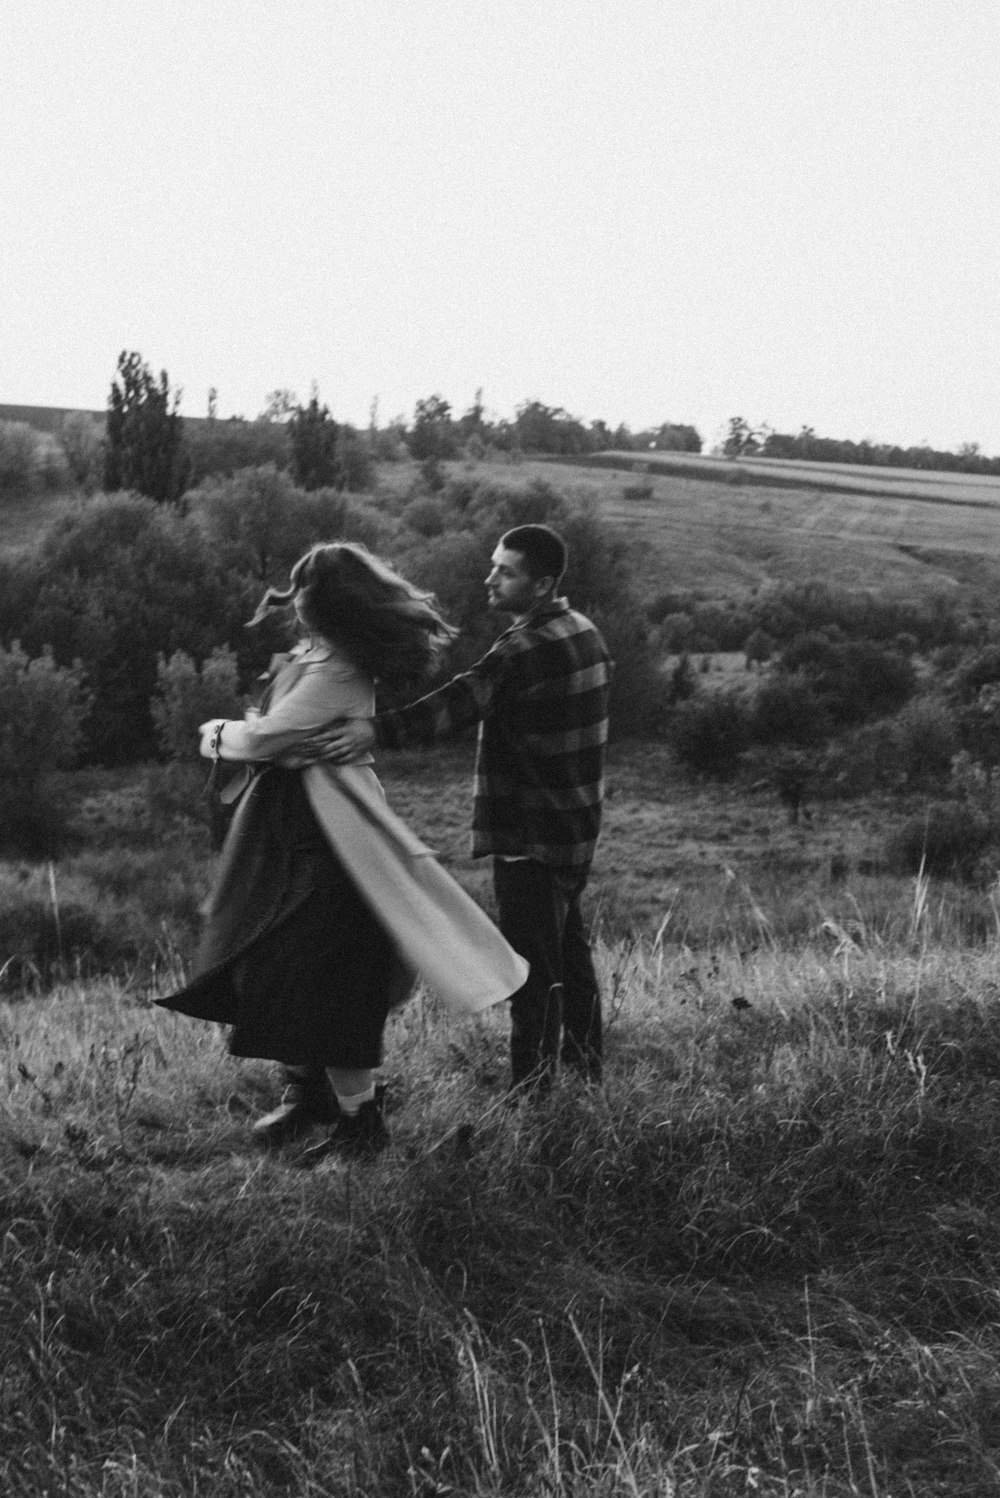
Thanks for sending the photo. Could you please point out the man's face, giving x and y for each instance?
(510, 587)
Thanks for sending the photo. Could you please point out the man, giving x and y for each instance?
(540, 697)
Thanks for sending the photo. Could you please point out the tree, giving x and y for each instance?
(224, 447)
(432, 434)
(355, 462)
(258, 524)
(279, 405)
(550, 429)
(741, 440)
(758, 647)
(599, 581)
(117, 582)
(473, 422)
(187, 696)
(674, 437)
(709, 734)
(144, 448)
(314, 436)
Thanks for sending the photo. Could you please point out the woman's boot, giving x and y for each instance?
(308, 1100)
(355, 1136)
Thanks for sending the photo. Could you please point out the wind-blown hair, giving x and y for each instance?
(391, 630)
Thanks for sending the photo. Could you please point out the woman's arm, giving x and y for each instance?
(324, 691)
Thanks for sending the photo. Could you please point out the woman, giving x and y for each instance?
(325, 905)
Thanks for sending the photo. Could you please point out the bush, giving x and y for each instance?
(426, 515)
(791, 773)
(977, 785)
(219, 449)
(676, 633)
(82, 439)
(949, 838)
(981, 669)
(758, 647)
(793, 609)
(979, 725)
(48, 923)
(259, 523)
(355, 464)
(18, 457)
(853, 679)
(106, 912)
(926, 741)
(19, 584)
(682, 681)
(115, 584)
(187, 696)
(42, 707)
(709, 734)
(786, 710)
(51, 467)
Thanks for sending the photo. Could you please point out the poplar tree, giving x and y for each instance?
(144, 449)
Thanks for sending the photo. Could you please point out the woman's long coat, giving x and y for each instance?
(438, 930)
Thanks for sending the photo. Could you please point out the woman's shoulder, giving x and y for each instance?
(325, 659)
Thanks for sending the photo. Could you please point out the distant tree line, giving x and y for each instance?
(146, 446)
(743, 440)
(535, 428)
(127, 616)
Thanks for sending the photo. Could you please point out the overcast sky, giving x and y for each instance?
(640, 210)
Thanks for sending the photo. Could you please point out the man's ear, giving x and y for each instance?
(544, 585)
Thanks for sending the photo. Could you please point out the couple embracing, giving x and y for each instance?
(326, 906)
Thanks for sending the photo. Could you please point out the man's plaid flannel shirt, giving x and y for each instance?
(540, 697)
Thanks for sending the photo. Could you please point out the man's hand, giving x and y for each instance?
(339, 743)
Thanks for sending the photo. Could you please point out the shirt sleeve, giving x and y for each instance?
(443, 713)
(321, 694)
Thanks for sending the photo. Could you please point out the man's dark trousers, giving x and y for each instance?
(557, 1014)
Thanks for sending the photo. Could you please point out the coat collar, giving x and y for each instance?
(550, 608)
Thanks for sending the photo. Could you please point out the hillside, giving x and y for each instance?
(44, 418)
(761, 1258)
(913, 483)
(723, 538)
(722, 528)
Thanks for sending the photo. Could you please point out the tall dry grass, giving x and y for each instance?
(762, 1258)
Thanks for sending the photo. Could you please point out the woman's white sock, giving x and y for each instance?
(351, 1103)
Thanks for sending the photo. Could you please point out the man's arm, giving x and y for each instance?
(440, 714)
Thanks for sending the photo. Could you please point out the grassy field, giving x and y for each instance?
(695, 863)
(724, 540)
(915, 483)
(762, 1258)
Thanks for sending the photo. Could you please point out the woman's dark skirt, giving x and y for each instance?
(315, 987)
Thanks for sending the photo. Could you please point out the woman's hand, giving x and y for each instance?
(339, 743)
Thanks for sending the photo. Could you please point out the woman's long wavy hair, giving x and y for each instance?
(391, 630)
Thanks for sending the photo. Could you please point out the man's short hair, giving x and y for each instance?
(545, 552)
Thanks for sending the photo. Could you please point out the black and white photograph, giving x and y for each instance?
(500, 749)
